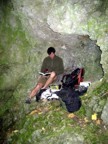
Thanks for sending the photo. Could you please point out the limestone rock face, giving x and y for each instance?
(65, 17)
(104, 115)
(61, 24)
(84, 18)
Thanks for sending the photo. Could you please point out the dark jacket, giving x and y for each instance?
(55, 65)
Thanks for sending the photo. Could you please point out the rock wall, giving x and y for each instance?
(27, 32)
(42, 19)
(82, 17)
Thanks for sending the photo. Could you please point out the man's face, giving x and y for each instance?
(52, 55)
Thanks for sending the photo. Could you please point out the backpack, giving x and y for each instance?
(73, 79)
(71, 98)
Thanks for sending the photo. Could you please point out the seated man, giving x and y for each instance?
(51, 64)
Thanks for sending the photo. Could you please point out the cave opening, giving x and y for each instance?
(80, 51)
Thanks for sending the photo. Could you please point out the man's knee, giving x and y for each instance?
(40, 85)
(53, 74)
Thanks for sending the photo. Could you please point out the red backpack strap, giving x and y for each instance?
(81, 75)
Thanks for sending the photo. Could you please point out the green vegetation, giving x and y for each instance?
(51, 123)
(13, 48)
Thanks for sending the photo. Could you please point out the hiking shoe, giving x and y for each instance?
(28, 101)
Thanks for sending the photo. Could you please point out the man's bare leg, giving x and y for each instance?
(50, 80)
(40, 85)
(35, 90)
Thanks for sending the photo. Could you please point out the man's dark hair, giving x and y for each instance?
(50, 50)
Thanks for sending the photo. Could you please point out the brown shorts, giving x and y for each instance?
(43, 80)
